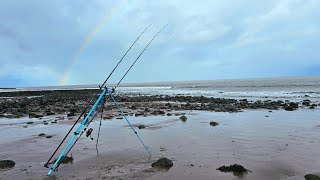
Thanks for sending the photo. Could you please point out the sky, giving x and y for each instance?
(67, 42)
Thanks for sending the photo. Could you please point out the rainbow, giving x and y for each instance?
(87, 40)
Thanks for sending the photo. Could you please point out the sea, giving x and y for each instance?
(291, 88)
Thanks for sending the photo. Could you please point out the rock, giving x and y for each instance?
(306, 103)
(146, 110)
(168, 105)
(50, 113)
(236, 168)
(212, 123)
(141, 126)
(35, 115)
(139, 114)
(42, 134)
(71, 114)
(45, 123)
(169, 114)
(163, 163)
(294, 105)
(49, 136)
(311, 177)
(73, 110)
(29, 122)
(5, 164)
(289, 108)
(183, 118)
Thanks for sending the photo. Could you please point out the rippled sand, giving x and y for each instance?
(284, 145)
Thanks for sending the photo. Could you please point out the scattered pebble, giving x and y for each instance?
(236, 168)
(141, 126)
(212, 123)
(183, 118)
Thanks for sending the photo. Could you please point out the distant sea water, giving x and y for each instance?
(271, 88)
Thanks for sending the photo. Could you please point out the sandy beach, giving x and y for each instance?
(272, 144)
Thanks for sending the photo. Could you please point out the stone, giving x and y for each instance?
(163, 163)
(71, 114)
(183, 118)
(6, 164)
(311, 177)
(42, 134)
(289, 108)
(34, 115)
(236, 168)
(141, 126)
(212, 123)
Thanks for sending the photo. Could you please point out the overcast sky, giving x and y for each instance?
(209, 39)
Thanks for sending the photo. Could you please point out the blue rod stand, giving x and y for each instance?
(77, 131)
(105, 91)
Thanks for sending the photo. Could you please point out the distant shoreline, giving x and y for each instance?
(8, 88)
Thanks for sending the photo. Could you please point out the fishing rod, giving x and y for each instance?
(109, 91)
(113, 90)
(100, 87)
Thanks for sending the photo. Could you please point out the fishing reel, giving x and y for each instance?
(89, 132)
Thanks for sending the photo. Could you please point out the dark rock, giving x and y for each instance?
(73, 110)
(183, 118)
(6, 164)
(294, 105)
(50, 113)
(141, 126)
(289, 108)
(45, 123)
(311, 107)
(306, 103)
(236, 168)
(163, 163)
(35, 115)
(212, 123)
(168, 105)
(71, 114)
(311, 177)
(146, 110)
(49, 136)
(41, 134)
(169, 114)
(139, 114)
(29, 122)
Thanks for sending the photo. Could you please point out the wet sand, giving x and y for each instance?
(285, 145)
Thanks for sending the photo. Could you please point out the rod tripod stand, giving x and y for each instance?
(85, 122)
